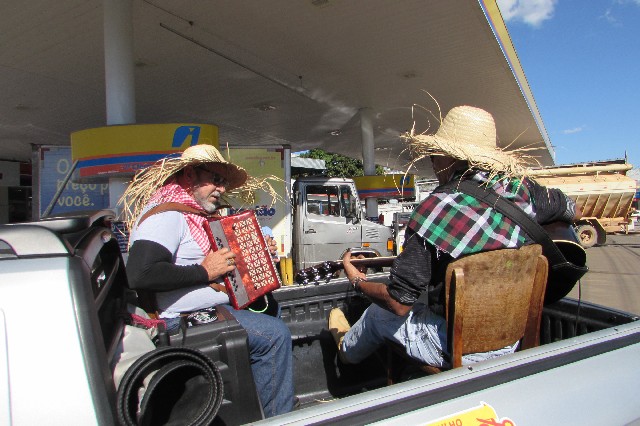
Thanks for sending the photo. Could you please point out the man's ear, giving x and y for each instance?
(190, 175)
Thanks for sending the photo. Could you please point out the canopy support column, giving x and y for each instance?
(368, 155)
(119, 75)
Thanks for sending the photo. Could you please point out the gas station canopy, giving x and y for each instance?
(300, 73)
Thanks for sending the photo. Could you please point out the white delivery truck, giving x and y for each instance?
(314, 219)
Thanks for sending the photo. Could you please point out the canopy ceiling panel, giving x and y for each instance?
(274, 71)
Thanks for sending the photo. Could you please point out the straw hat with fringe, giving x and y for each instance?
(148, 180)
(469, 133)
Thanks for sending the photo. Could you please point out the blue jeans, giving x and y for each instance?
(271, 360)
(421, 332)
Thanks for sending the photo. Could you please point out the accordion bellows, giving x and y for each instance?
(255, 274)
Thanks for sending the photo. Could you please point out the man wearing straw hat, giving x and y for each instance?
(171, 255)
(446, 225)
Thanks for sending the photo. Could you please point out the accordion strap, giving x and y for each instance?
(165, 207)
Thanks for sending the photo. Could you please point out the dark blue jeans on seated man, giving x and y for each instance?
(271, 359)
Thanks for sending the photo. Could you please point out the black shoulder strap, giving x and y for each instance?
(513, 212)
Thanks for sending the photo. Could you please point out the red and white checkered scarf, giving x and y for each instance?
(172, 192)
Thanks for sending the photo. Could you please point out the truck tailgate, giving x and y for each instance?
(590, 379)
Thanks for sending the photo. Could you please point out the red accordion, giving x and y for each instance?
(255, 274)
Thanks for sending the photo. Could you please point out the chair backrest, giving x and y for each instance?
(494, 299)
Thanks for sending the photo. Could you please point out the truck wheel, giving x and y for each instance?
(588, 235)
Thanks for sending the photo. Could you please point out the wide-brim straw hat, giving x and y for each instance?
(469, 133)
(197, 155)
(148, 180)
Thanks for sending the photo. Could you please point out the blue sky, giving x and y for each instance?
(582, 61)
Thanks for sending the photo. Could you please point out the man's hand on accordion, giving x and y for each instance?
(217, 263)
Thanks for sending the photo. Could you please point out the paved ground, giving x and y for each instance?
(614, 274)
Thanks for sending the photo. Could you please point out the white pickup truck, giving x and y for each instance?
(63, 293)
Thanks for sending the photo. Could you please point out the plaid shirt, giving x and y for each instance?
(459, 224)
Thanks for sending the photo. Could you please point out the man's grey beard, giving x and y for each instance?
(207, 205)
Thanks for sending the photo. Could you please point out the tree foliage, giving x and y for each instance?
(339, 165)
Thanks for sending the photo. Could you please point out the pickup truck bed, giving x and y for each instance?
(62, 296)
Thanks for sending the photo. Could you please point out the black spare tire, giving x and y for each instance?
(185, 389)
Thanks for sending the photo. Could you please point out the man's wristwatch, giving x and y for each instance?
(356, 283)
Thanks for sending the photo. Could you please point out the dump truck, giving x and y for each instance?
(68, 273)
(602, 191)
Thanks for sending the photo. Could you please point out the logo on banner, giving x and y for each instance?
(259, 210)
(183, 133)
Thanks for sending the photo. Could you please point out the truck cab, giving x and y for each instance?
(328, 220)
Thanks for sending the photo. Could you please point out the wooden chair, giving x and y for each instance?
(493, 299)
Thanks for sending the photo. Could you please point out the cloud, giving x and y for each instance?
(574, 130)
(531, 12)
(609, 13)
(608, 16)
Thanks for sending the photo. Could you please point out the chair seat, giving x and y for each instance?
(492, 300)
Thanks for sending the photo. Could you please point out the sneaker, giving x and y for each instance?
(338, 326)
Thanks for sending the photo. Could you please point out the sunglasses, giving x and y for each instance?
(215, 178)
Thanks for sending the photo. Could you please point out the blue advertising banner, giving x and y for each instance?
(55, 162)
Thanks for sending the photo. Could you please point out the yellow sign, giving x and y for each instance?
(482, 415)
(125, 149)
(263, 162)
(385, 186)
